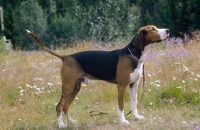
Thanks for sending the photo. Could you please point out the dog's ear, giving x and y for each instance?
(139, 40)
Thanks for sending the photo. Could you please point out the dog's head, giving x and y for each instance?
(149, 34)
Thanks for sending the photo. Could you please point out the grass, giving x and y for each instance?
(30, 88)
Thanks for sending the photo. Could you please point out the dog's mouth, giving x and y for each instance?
(164, 38)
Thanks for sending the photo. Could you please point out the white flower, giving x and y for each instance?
(38, 79)
(83, 84)
(38, 89)
(21, 91)
(149, 75)
(179, 87)
(157, 81)
(28, 86)
(183, 81)
(177, 63)
(173, 78)
(185, 69)
(157, 85)
(50, 84)
(194, 91)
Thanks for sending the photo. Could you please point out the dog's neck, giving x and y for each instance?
(130, 49)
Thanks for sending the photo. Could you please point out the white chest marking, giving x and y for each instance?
(134, 76)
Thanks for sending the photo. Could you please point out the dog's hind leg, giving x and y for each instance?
(67, 105)
(59, 108)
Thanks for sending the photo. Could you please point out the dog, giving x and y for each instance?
(122, 67)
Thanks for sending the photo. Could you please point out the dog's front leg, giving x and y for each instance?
(120, 110)
(133, 97)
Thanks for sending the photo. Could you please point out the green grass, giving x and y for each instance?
(28, 100)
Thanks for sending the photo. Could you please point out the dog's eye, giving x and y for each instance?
(153, 29)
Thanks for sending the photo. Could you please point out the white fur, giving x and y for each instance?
(28, 31)
(70, 120)
(122, 119)
(163, 33)
(134, 79)
(61, 124)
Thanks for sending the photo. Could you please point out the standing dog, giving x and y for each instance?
(122, 67)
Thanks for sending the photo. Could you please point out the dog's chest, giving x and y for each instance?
(136, 74)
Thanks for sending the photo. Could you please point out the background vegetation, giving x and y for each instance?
(64, 21)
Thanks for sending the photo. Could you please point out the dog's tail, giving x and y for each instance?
(44, 47)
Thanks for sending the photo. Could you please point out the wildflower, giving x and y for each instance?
(179, 87)
(38, 79)
(36, 93)
(198, 75)
(157, 81)
(183, 122)
(28, 86)
(194, 91)
(177, 63)
(55, 76)
(196, 127)
(173, 78)
(183, 81)
(195, 79)
(157, 85)
(38, 89)
(162, 54)
(50, 84)
(192, 73)
(149, 75)
(21, 91)
(83, 84)
(185, 69)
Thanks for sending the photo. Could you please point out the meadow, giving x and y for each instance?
(30, 88)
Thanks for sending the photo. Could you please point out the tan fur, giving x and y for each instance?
(123, 78)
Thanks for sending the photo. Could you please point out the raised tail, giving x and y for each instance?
(44, 47)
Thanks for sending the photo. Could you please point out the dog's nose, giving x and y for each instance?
(167, 31)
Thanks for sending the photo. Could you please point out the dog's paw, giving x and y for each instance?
(139, 117)
(73, 121)
(62, 125)
(70, 120)
(124, 122)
